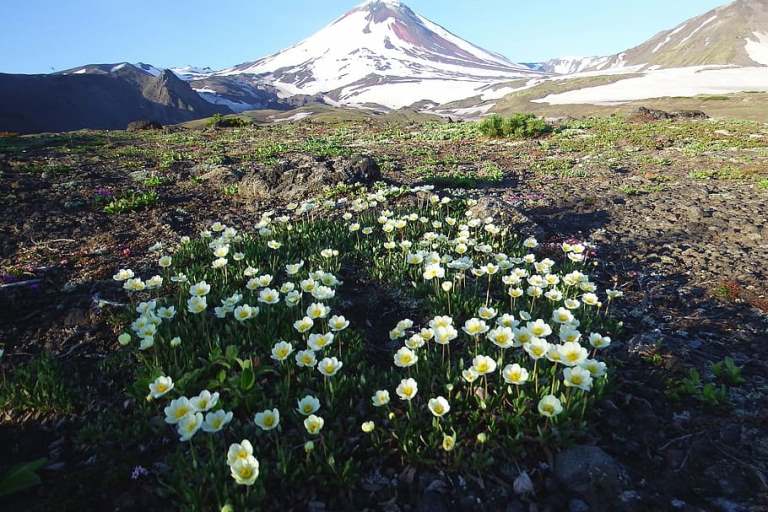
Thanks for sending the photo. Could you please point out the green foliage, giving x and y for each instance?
(220, 121)
(518, 126)
(728, 372)
(155, 181)
(692, 386)
(632, 190)
(21, 477)
(325, 147)
(489, 174)
(39, 386)
(763, 184)
(231, 190)
(132, 201)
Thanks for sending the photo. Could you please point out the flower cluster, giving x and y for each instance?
(507, 340)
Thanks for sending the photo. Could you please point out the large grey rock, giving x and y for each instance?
(592, 474)
(305, 177)
(494, 206)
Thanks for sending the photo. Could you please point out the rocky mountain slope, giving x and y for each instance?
(733, 34)
(102, 96)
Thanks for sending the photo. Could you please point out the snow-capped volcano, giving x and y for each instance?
(381, 52)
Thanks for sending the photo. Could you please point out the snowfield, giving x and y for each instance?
(689, 81)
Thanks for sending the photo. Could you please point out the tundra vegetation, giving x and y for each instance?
(344, 313)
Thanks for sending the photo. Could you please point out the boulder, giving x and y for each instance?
(593, 475)
(650, 114)
(306, 177)
(142, 125)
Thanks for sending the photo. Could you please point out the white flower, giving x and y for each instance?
(475, 327)
(329, 366)
(308, 405)
(269, 296)
(572, 354)
(177, 410)
(577, 377)
(147, 342)
(134, 285)
(166, 313)
(196, 305)
(338, 323)
(514, 374)
(123, 274)
(239, 451)
(539, 328)
(439, 406)
(441, 321)
(244, 312)
(550, 406)
(205, 401)
(165, 261)
(470, 375)
(590, 299)
(292, 298)
(245, 471)
(306, 358)
(160, 387)
(188, 426)
(536, 348)
(267, 419)
(569, 334)
(314, 424)
(483, 365)
(200, 289)
(303, 325)
(175, 341)
(444, 335)
(318, 310)
(380, 398)
(433, 271)
(594, 367)
(219, 263)
(486, 313)
(598, 341)
(292, 269)
(407, 389)
(405, 357)
(281, 350)
(124, 339)
(215, 421)
(530, 243)
(562, 316)
(502, 337)
(318, 342)
(264, 280)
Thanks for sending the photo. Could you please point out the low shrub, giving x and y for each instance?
(518, 126)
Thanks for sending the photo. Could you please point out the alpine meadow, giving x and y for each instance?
(385, 268)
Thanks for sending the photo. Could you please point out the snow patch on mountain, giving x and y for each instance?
(757, 49)
(669, 37)
(696, 31)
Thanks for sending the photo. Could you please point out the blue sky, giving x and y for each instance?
(38, 36)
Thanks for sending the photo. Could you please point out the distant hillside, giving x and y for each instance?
(734, 34)
(103, 96)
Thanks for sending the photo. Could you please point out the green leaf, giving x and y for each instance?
(247, 379)
(21, 477)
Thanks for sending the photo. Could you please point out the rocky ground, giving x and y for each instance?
(677, 210)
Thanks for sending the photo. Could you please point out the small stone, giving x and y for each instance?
(577, 505)
(523, 484)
